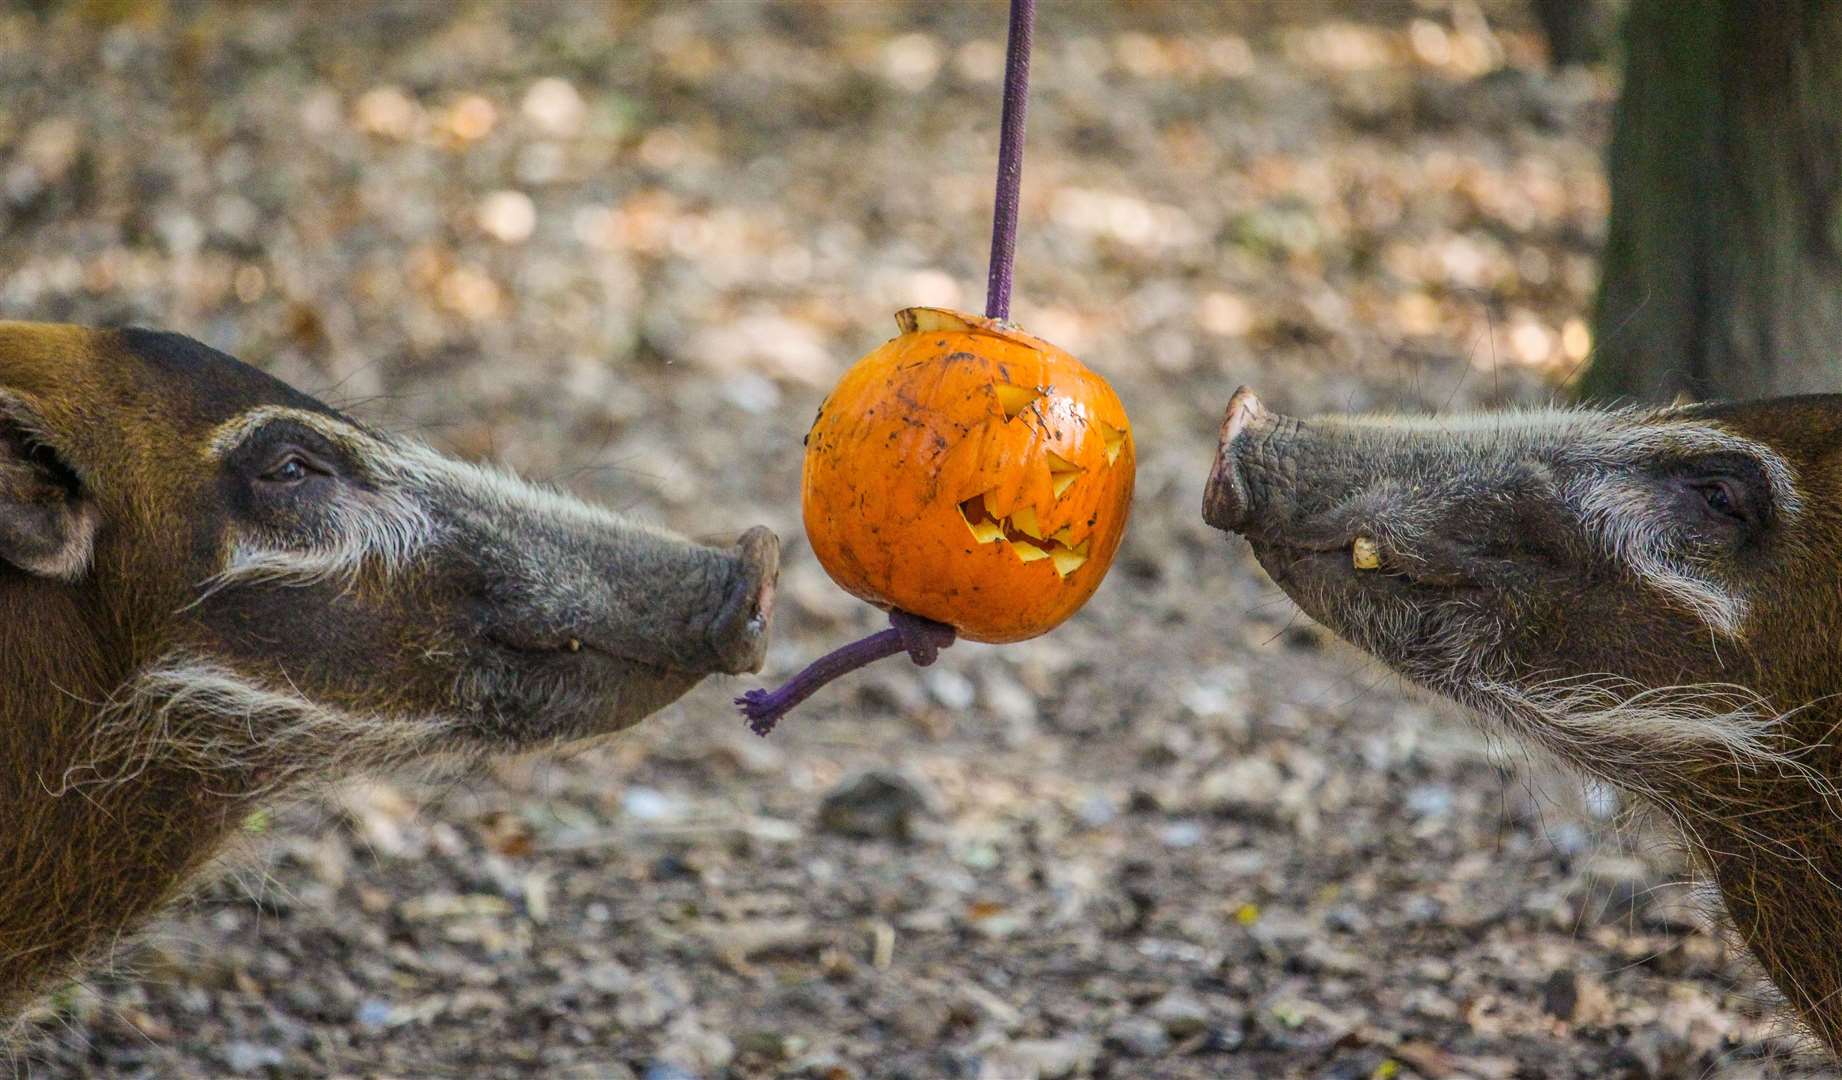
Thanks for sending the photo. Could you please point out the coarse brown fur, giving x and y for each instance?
(213, 588)
(1655, 596)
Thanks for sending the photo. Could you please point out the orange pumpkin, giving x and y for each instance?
(971, 474)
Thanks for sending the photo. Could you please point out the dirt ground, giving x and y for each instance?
(627, 248)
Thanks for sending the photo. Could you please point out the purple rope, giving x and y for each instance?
(921, 638)
(1010, 159)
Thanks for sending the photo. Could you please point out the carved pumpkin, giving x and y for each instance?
(971, 474)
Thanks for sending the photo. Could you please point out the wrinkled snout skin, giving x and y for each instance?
(602, 621)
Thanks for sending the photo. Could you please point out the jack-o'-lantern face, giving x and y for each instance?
(971, 474)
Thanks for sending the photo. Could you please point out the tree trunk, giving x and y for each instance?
(1571, 27)
(1722, 273)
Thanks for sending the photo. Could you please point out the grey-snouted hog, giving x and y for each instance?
(214, 588)
(1654, 595)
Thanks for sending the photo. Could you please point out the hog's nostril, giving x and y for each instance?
(1224, 501)
(760, 551)
(738, 635)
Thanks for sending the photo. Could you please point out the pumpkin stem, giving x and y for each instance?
(1010, 159)
(922, 639)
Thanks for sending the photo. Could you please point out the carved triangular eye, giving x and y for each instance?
(1062, 472)
(1115, 440)
(1013, 399)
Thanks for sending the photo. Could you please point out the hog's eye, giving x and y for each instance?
(282, 466)
(1721, 497)
(290, 470)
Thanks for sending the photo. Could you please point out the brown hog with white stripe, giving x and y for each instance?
(214, 588)
(1653, 595)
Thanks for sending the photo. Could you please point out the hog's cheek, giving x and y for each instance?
(602, 698)
(317, 638)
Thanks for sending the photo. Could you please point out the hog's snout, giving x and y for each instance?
(1273, 484)
(1225, 502)
(553, 576)
(1442, 504)
(738, 634)
(1289, 489)
(693, 609)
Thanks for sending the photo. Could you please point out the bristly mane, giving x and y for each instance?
(78, 864)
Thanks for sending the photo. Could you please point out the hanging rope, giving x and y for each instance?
(1010, 159)
(922, 639)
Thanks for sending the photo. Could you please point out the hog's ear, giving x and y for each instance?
(47, 519)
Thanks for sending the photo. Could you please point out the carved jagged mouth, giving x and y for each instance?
(1022, 533)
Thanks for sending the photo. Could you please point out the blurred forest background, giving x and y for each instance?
(627, 247)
